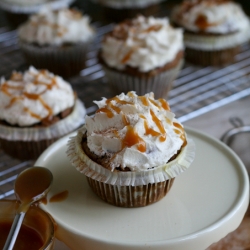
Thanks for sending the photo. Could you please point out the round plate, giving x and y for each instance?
(205, 203)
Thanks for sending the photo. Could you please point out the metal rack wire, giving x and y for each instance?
(196, 91)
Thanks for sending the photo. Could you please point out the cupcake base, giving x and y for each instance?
(127, 188)
(66, 61)
(25, 150)
(211, 58)
(158, 81)
(27, 143)
(131, 196)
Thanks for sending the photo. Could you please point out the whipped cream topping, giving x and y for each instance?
(36, 95)
(142, 43)
(137, 132)
(56, 27)
(211, 16)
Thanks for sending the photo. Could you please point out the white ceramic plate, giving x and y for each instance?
(205, 203)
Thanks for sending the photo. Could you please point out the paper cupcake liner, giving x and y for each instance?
(25, 150)
(96, 172)
(216, 42)
(131, 196)
(214, 58)
(65, 61)
(70, 123)
(160, 84)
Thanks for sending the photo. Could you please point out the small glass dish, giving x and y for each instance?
(37, 230)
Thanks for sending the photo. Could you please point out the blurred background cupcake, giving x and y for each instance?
(143, 54)
(214, 30)
(118, 10)
(18, 11)
(57, 40)
(36, 109)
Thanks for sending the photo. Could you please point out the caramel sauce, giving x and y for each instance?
(28, 238)
(13, 99)
(121, 102)
(60, 196)
(125, 120)
(150, 131)
(177, 131)
(131, 138)
(158, 123)
(127, 56)
(16, 76)
(116, 109)
(164, 104)
(107, 111)
(155, 27)
(180, 131)
(202, 23)
(130, 94)
(44, 200)
(5, 89)
(154, 103)
(32, 114)
(36, 177)
(144, 100)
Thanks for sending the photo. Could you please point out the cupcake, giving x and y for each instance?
(214, 30)
(36, 108)
(118, 10)
(56, 40)
(131, 150)
(142, 55)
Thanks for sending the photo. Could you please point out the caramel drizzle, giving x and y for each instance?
(202, 23)
(132, 138)
(155, 27)
(17, 76)
(5, 87)
(180, 130)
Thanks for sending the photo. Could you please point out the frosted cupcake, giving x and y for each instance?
(36, 109)
(142, 55)
(118, 10)
(214, 30)
(57, 40)
(131, 150)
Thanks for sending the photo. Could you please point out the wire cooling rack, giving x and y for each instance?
(196, 91)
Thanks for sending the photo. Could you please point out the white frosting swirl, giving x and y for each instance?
(26, 99)
(219, 17)
(143, 43)
(138, 132)
(56, 27)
